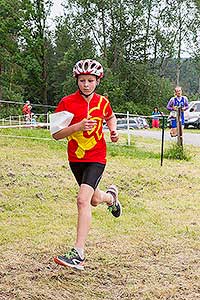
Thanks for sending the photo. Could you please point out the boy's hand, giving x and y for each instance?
(114, 136)
(87, 125)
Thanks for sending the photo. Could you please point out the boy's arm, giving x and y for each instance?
(186, 104)
(65, 132)
(84, 125)
(170, 105)
(112, 126)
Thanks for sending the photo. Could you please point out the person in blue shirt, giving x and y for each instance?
(155, 117)
(174, 103)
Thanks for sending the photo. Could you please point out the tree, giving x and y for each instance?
(10, 68)
(35, 45)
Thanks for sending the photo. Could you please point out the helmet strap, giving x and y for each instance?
(86, 96)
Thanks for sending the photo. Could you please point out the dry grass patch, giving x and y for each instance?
(152, 252)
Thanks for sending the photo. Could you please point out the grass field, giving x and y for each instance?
(152, 252)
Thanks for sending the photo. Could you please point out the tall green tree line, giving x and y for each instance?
(139, 43)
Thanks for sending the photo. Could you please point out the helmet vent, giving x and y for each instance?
(86, 65)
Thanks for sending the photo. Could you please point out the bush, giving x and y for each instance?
(177, 152)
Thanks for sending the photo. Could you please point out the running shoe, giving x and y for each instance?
(115, 208)
(70, 259)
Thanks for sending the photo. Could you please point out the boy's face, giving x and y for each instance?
(87, 83)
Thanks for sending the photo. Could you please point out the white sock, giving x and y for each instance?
(80, 252)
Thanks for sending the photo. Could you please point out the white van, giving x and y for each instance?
(192, 114)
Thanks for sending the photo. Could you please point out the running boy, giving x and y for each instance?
(87, 152)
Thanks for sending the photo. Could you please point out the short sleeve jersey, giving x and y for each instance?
(177, 101)
(156, 115)
(86, 146)
(26, 110)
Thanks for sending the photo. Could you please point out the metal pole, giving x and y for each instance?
(128, 128)
(162, 144)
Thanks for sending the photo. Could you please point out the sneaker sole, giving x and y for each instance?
(120, 209)
(61, 263)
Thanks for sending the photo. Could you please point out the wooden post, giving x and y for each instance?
(179, 128)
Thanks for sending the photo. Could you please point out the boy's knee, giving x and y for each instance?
(82, 202)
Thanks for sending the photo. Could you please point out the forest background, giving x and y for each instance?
(147, 47)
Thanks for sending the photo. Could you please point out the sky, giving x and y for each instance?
(57, 9)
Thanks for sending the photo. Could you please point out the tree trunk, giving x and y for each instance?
(147, 31)
(0, 82)
(178, 68)
(44, 76)
(104, 34)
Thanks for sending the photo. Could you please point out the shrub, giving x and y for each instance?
(177, 152)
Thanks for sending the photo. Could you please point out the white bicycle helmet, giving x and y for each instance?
(88, 67)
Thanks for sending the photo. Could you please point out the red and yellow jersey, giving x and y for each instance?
(86, 146)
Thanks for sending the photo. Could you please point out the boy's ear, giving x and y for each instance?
(98, 81)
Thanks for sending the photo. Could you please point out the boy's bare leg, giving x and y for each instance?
(87, 197)
(101, 197)
(84, 214)
(75, 257)
(173, 132)
(110, 197)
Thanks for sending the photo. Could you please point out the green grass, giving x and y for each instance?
(177, 152)
(151, 252)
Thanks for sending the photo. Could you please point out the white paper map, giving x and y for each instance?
(60, 120)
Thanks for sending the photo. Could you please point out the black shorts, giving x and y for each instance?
(87, 172)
